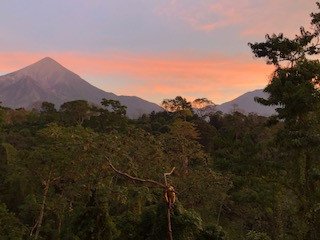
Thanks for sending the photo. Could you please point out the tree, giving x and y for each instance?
(10, 226)
(95, 222)
(2, 113)
(177, 104)
(167, 188)
(109, 118)
(47, 107)
(114, 106)
(294, 88)
(203, 107)
(75, 112)
(56, 165)
(48, 112)
(181, 146)
(187, 224)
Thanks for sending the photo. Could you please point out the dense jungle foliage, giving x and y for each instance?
(237, 176)
(56, 182)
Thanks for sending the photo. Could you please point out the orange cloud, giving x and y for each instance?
(155, 77)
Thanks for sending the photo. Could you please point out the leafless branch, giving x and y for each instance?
(168, 174)
(136, 178)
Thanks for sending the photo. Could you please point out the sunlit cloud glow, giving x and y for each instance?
(216, 77)
(250, 17)
(153, 49)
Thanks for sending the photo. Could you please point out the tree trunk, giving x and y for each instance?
(185, 166)
(170, 237)
(41, 214)
(278, 217)
(59, 226)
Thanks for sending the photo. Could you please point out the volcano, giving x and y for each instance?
(47, 80)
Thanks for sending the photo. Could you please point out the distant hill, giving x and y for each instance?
(247, 104)
(47, 80)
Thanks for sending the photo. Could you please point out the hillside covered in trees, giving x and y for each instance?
(233, 178)
(57, 182)
(88, 172)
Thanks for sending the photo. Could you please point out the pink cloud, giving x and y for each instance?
(250, 16)
(202, 15)
(217, 77)
(279, 16)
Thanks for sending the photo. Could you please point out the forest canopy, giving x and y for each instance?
(83, 171)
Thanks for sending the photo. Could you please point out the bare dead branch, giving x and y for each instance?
(155, 183)
(168, 174)
(135, 178)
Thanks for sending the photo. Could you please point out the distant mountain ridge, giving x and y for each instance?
(247, 104)
(47, 80)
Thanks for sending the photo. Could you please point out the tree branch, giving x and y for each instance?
(169, 230)
(135, 178)
(168, 174)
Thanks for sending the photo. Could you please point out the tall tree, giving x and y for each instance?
(48, 112)
(177, 104)
(203, 107)
(109, 118)
(114, 106)
(75, 112)
(55, 167)
(294, 88)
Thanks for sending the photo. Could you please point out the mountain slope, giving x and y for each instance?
(47, 80)
(247, 104)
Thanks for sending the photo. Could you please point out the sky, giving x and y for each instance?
(154, 49)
